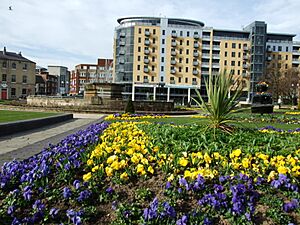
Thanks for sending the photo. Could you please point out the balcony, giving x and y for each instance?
(196, 45)
(205, 64)
(296, 61)
(173, 62)
(122, 43)
(216, 56)
(206, 38)
(147, 33)
(245, 48)
(147, 42)
(205, 73)
(122, 34)
(195, 72)
(194, 83)
(173, 53)
(205, 56)
(173, 44)
(245, 57)
(172, 81)
(146, 70)
(174, 34)
(195, 54)
(206, 47)
(216, 47)
(196, 36)
(121, 61)
(121, 52)
(147, 52)
(173, 71)
(295, 52)
(245, 66)
(215, 65)
(217, 39)
(195, 63)
(146, 61)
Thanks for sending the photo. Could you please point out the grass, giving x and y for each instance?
(10, 116)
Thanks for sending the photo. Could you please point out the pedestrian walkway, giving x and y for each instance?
(23, 145)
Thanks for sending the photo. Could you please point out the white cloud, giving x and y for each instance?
(70, 32)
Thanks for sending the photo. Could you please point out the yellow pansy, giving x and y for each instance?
(87, 176)
(109, 171)
(150, 170)
(183, 162)
(124, 176)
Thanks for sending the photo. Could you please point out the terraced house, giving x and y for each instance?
(167, 58)
(17, 75)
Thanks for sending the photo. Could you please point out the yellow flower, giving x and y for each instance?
(282, 170)
(87, 176)
(109, 171)
(144, 161)
(236, 153)
(183, 161)
(140, 169)
(245, 163)
(271, 175)
(170, 178)
(95, 168)
(150, 170)
(90, 162)
(207, 158)
(124, 176)
(111, 159)
(155, 149)
(115, 165)
(135, 159)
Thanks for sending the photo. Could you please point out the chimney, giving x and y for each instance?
(20, 53)
(4, 51)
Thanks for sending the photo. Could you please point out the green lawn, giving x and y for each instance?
(9, 116)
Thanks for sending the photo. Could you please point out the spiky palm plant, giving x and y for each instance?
(221, 104)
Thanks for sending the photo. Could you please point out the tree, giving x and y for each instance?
(220, 103)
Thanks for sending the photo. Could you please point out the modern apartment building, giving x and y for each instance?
(46, 84)
(63, 78)
(91, 73)
(168, 58)
(17, 75)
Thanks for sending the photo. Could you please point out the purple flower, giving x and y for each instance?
(38, 205)
(67, 193)
(76, 184)
(182, 221)
(290, 206)
(110, 190)
(74, 216)
(11, 209)
(84, 195)
(53, 212)
(168, 185)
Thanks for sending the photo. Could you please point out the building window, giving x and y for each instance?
(232, 63)
(240, 45)
(233, 45)
(279, 65)
(239, 63)
(13, 78)
(152, 78)
(187, 60)
(163, 41)
(4, 77)
(4, 64)
(239, 72)
(154, 31)
(139, 40)
(274, 48)
(226, 45)
(239, 55)
(232, 54)
(286, 66)
(162, 68)
(279, 57)
(154, 40)
(139, 58)
(286, 48)
(140, 30)
(153, 58)
(163, 50)
(187, 51)
(163, 32)
(153, 50)
(225, 62)
(180, 42)
(186, 69)
(187, 33)
(225, 54)
(13, 92)
(24, 91)
(162, 59)
(279, 48)
(180, 69)
(179, 79)
(14, 65)
(139, 49)
(153, 68)
(286, 57)
(180, 60)
(138, 78)
(161, 79)
(186, 80)
(138, 67)
(187, 42)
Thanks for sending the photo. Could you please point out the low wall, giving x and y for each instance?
(19, 126)
(98, 104)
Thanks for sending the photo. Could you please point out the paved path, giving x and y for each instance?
(25, 144)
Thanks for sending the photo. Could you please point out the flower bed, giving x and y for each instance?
(126, 116)
(145, 173)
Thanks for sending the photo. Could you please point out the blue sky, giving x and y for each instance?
(70, 32)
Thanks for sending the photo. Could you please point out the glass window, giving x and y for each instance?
(14, 65)
(286, 48)
(139, 40)
(162, 59)
(152, 78)
(162, 68)
(163, 50)
(140, 30)
(187, 33)
(186, 80)
(187, 42)
(279, 48)
(233, 45)
(13, 92)
(138, 78)
(13, 78)
(4, 64)
(154, 31)
(232, 63)
(4, 77)
(179, 79)
(232, 54)
(226, 45)
(225, 54)
(187, 60)
(186, 69)
(138, 67)
(24, 79)
(24, 91)
(163, 41)
(153, 68)
(225, 62)
(163, 32)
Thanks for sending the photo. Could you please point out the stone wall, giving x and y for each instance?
(56, 102)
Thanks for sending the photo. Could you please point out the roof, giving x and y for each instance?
(13, 56)
(179, 20)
